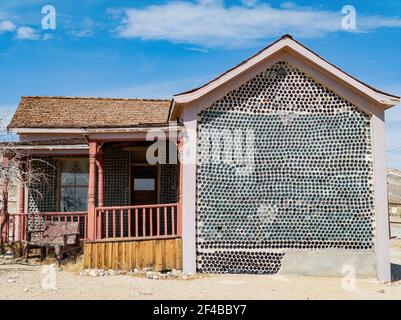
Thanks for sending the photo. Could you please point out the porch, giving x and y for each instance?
(128, 209)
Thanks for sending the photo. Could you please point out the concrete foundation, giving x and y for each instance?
(329, 263)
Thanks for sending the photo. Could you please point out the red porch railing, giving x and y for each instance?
(159, 221)
(20, 223)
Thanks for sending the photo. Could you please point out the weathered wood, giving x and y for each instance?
(178, 256)
(137, 257)
(101, 255)
(160, 254)
(127, 256)
(94, 256)
(114, 263)
(109, 255)
(170, 255)
(158, 263)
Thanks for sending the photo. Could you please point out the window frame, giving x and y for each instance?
(59, 164)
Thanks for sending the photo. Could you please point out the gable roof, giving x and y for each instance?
(286, 42)
(81, 112)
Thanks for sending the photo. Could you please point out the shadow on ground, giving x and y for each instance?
(395, 272)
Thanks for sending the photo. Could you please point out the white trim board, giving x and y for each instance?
(289, 47)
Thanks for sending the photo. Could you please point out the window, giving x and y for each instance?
(145, 178)
(74, 185)
(144, 184)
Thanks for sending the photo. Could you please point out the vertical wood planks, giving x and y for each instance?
(160, 254)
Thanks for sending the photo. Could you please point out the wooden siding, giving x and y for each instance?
(161, 254)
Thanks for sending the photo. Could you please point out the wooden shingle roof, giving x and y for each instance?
(78, 112)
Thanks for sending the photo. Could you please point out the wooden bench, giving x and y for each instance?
(63, 237)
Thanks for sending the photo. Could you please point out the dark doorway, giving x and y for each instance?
(144, 185)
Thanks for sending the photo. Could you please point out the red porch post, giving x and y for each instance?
(4, 212)
(99, 164)
(21, 206)
(91, 191)
(179, 217)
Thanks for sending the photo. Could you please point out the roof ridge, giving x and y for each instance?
(94, 98)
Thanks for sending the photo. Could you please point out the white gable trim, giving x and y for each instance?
(295, 48)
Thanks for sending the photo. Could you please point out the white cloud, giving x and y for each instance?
(196, 49)
(210, 2)
(26, 33)
(211, 23)
(47, 36)
(114, 13)
(288, 5)
(85, 29)
(7, 26)
(20, 32)
(249, 3)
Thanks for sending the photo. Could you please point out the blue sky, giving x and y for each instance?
(153, 49)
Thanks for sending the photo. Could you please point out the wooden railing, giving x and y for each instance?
(20, 223)
(159, 221)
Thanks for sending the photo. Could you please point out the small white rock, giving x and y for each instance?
(93, 273)
(151, 275)
(174, 273)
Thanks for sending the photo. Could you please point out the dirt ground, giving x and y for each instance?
(22, 281)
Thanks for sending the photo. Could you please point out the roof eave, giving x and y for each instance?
(84, 131)
(52, 147)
